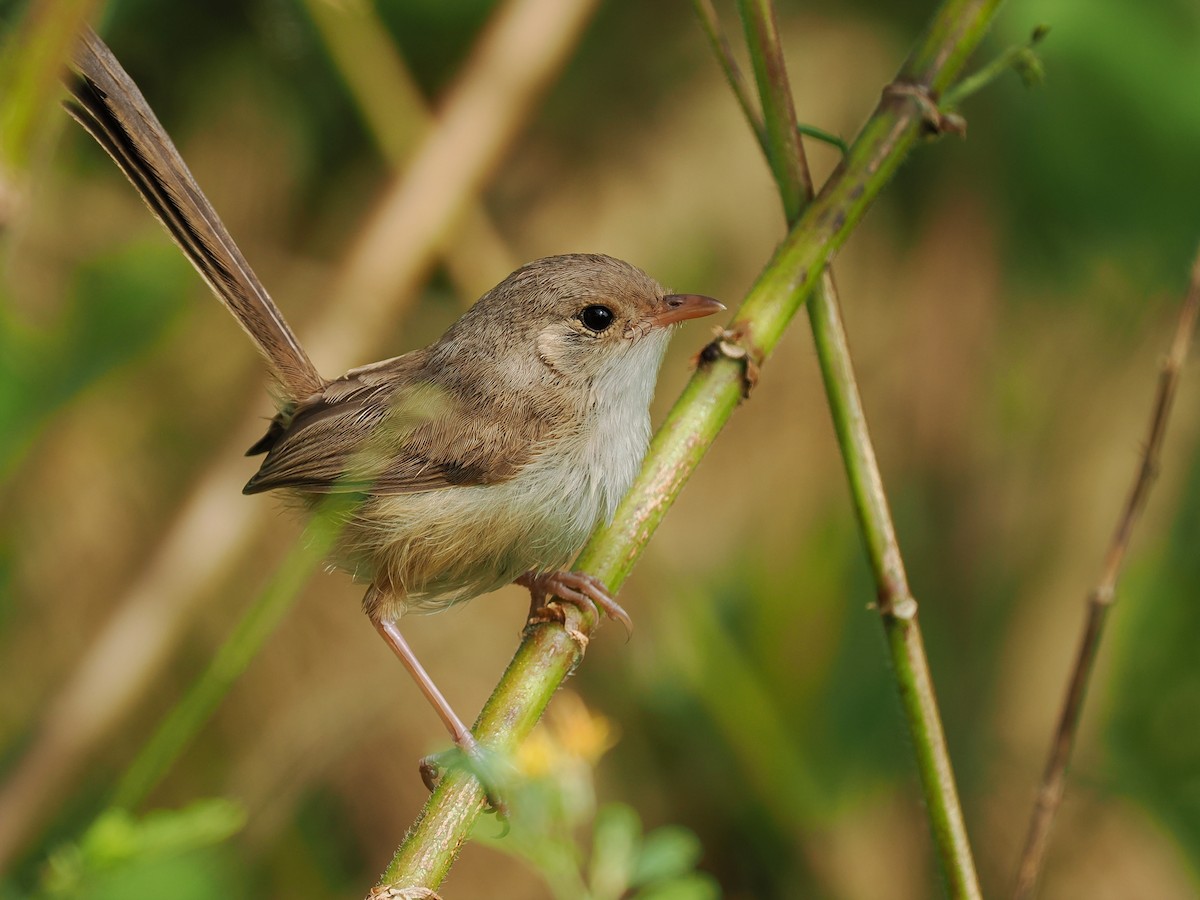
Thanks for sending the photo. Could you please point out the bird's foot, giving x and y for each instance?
(481, 763)
(584, 592)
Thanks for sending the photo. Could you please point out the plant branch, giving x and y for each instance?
(1101, 599)
(549, 651)
(896, 605)
(825, 137)
(909, 665)
(1021, 58)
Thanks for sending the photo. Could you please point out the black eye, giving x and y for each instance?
(596, 317)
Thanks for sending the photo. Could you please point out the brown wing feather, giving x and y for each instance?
(386, 430)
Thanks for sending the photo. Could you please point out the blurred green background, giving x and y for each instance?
(1008, 301)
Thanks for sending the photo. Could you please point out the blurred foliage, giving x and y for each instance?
(1087, 162)
(1154, 726)
(1007, 303)
(553, 798)
(119, 307)
(164, 853)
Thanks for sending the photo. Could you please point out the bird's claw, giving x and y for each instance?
(474, 759)
(585, 592)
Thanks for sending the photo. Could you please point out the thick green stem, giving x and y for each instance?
(548, 652)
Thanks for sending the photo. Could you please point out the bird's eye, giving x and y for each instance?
(596, 317)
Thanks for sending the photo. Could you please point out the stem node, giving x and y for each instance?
(936, 122)
(734, 343)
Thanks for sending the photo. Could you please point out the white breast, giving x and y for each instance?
(621, 398)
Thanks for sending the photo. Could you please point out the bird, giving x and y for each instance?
(482, 459)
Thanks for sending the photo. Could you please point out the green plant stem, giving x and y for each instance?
(724, 53)
(896, 605)
(548, 652)
(386, 94)
(784, 153)
(1019, 57)
(32, 55)
(825, 137)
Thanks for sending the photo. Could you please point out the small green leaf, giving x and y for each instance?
(117, 839)
(667, 852)
(616, 836)
(696, 886)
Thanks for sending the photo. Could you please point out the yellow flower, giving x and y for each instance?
(569, 735)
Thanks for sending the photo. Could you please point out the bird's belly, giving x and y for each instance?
(432, 549)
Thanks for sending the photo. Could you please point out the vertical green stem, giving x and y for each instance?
(896, 606)
(785, 155)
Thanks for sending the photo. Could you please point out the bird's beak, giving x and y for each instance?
(681, 307)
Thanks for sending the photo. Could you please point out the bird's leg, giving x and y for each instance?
(576, 588)
(459, 733)
(431, 767)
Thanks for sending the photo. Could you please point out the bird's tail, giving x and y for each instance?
(109, 105)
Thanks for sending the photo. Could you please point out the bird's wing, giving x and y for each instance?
(374, 432)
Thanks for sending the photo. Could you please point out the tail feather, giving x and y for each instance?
(110, 107)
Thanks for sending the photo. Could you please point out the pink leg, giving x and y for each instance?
(459, 733)
(576, 588)
(431, 766)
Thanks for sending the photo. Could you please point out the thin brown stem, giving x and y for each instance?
(1100, 601)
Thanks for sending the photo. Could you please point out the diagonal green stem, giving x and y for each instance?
(185, 720)
(548, 652)
(1022, 58)
(29, 75)
(896, 605)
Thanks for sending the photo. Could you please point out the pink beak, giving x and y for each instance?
(681, 307)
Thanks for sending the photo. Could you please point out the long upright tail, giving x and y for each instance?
(109, 105)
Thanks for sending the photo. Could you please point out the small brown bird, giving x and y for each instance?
(485, 458)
